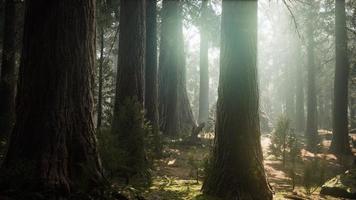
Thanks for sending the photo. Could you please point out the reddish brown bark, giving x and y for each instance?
(53, 147)
(8, 78)
(236, 170)
(175, 113)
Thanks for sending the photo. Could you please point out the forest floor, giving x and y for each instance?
(175, 176)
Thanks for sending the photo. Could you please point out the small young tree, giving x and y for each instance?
(279, 140)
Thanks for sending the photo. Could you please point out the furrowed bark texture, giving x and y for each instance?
(129, 99)
(236, 170)
(53, 145)
(175, 114)
(340, 142)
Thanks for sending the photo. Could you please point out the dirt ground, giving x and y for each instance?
(176, 177)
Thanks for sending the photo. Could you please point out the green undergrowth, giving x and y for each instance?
(166, 188)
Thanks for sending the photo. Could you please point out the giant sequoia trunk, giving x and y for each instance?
(129, 99)
(311, 124)
(236, 170)
(53, 146)
(175, 114)
(204, 67)
(7, 78)
(340, 142)
(151, 87)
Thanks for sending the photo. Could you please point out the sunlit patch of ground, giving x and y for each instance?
(175, 176)
(281, 181)
(166, 188)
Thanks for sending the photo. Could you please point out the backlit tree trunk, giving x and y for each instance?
(7, 78)
(204, 67)
(340, 142)
(175, 114)
(236, 170)
(311, 123)
(53, 144)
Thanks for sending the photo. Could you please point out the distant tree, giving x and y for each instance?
(353, 97)
(53, 147)
(8, 77)
(290, 92)
(151, 71)
(311, 123)
(175, 114)
(106, 19)
(299, 101)
(236, 167)
(2, 10)
(100, 78)
(340, 143)
(127, 123)
(289, 81)
(204, 66)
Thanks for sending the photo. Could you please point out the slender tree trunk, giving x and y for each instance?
(101, 80)
(352, 98)
(290, 94)
(340, 143)
(300, 117)
(129, 99)
(311, 124)
(53, 144)
(151, 71)
(8, 77)
(175, 114)
(236, 170)
(204, 67)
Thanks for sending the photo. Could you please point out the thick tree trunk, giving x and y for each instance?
(129, 99)
(236, 170)
(151, 71)
(340, 143)
(175, 114)
(204, 67)
(311, 124)
(53, 145)
(300, 117)
(130, 79)
(8, 77)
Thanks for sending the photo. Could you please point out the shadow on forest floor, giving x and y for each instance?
(175, 174)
